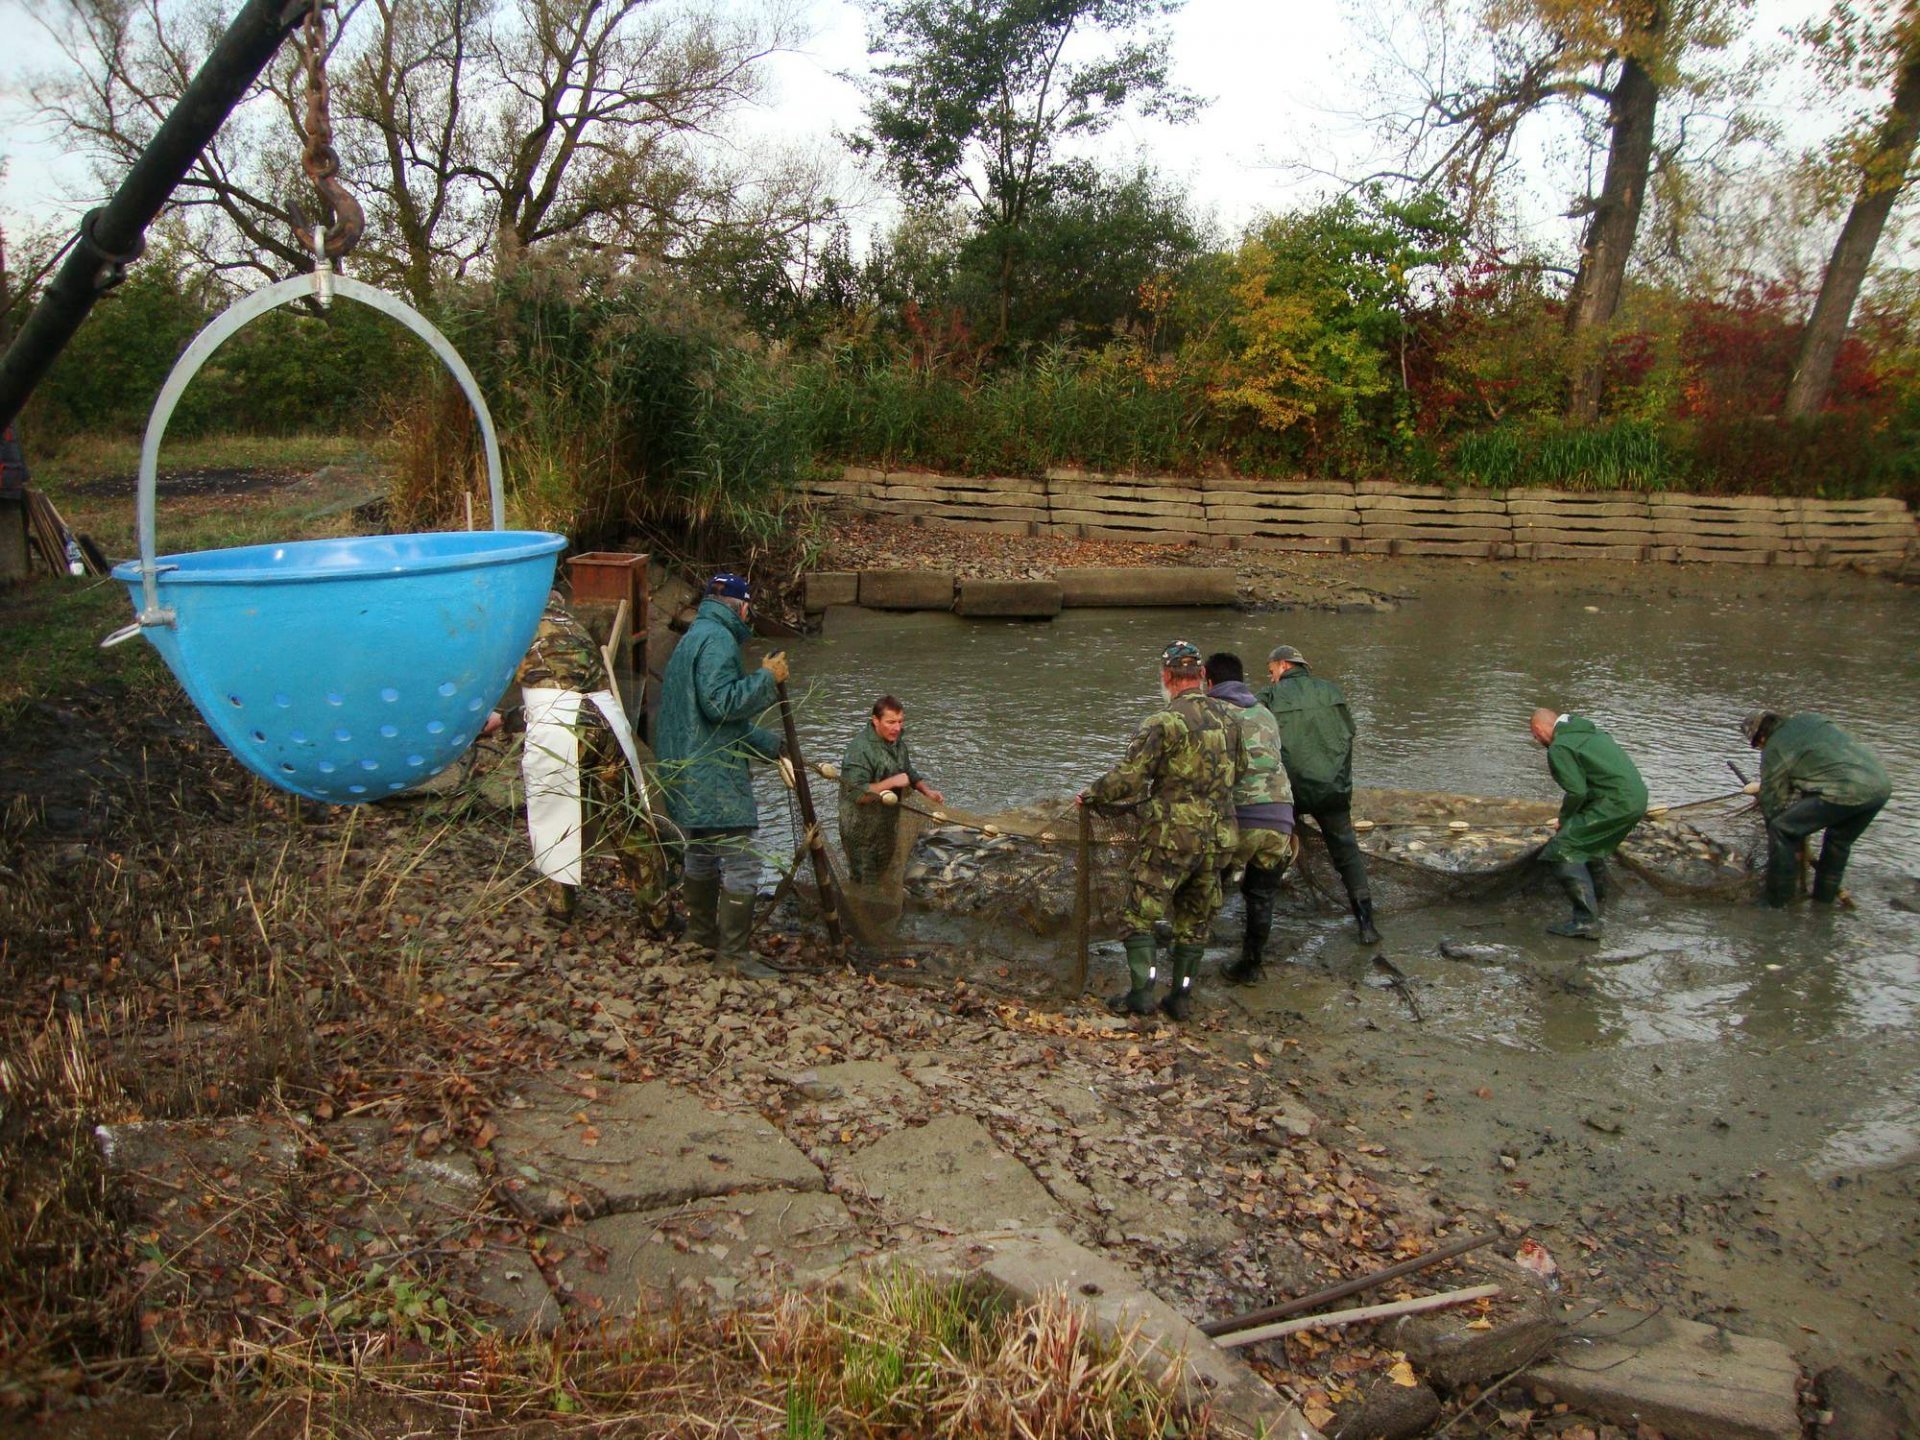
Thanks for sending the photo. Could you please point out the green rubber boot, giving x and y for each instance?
(703, 904)
(1583, 922)
(1181, 971)
(734, 953)
(1137, 998)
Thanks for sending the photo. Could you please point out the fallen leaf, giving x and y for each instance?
(1402, 1374)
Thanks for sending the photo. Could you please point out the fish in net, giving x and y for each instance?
(1032, 888)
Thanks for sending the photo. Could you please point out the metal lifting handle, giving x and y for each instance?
(222, 329)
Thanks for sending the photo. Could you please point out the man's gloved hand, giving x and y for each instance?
(1752, 787)
(777, 663)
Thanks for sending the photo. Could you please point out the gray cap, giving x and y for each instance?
(1759, 725)
(1286, 653)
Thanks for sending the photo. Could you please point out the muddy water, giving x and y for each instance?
(1716, 1107)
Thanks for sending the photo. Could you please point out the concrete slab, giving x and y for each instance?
(1148, 586)
(830, 587)
(1028, 1265)
(720, 1252)
(1688, 1381)
(1008, 599)
(877, 1082)
(951, 1171)
(506, 1279)
(906, 589)
(633, 1147)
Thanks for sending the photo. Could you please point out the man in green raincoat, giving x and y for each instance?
(1180, 768)
(1605, 799)
(875, 772)
(1813, 776)
(704, 736)
(1316, 737)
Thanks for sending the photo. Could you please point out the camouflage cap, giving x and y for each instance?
(1286, 653)
(1181, 655)
(1757, 726)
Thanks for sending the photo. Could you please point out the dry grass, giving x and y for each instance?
(899, 1355)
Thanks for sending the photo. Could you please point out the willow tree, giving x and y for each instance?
(468, 128)
(1868, 45)
(1614, 67)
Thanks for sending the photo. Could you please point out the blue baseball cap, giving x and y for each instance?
(733, 587)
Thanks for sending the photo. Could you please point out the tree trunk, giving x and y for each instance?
(1882, 178)
(1609, 240)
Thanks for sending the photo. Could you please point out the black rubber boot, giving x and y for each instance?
(1584, 922)
(735, 950)
(1826, 886)
(1363, 913)
(1137, 998)
(1181, 971)
(1257, 892)
(703, 903)
(1602, 882)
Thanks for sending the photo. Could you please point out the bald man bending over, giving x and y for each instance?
(1605, 799)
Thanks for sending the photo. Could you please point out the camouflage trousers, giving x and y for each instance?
(1264, 850)
(1181, 887)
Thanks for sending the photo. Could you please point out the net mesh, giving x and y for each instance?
(1030, 890)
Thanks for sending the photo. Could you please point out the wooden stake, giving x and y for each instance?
(1356, 1317)
(822, 870)
(1464, 1245)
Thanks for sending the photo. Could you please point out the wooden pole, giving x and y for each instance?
(1359, 1316)
(822, 870)
(1449, 1251)
(1082, 903)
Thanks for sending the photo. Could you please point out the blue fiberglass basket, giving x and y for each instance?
(344, 670)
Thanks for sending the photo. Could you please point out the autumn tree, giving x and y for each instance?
(976, 100)
(469, 128)
(1612, 65)
(1874, 45)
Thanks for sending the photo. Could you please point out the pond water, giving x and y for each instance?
(1005, 713)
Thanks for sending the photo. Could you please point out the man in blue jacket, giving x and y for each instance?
(704, 736)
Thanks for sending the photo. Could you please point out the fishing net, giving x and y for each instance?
(1031, 890)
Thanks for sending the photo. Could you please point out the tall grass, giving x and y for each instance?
(1624, 455)
(622, 402)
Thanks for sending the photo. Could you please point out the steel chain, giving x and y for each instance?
(340, 212)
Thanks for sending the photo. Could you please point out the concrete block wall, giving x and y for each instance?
(1380, 517)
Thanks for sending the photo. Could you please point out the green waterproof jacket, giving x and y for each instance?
(1316, 737)
(1809, 755)
(704, 734)
(1605, 796)
(1182, 763)
(867, 831)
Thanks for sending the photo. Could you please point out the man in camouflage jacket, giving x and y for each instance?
(565, 657)
(1180, 768)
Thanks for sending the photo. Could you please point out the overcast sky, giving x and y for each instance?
(1281, 79)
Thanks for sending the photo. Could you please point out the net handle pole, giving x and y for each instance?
(1082, 901)
(803, 791)
(222, 329)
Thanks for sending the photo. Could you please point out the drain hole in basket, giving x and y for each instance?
(416, 759)
(436, 727)
(356, 789)
(343, 735)
(334, 697)
(389, 694)
(234, 700)
(447, 687)
(260, 736)
(389, 731)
